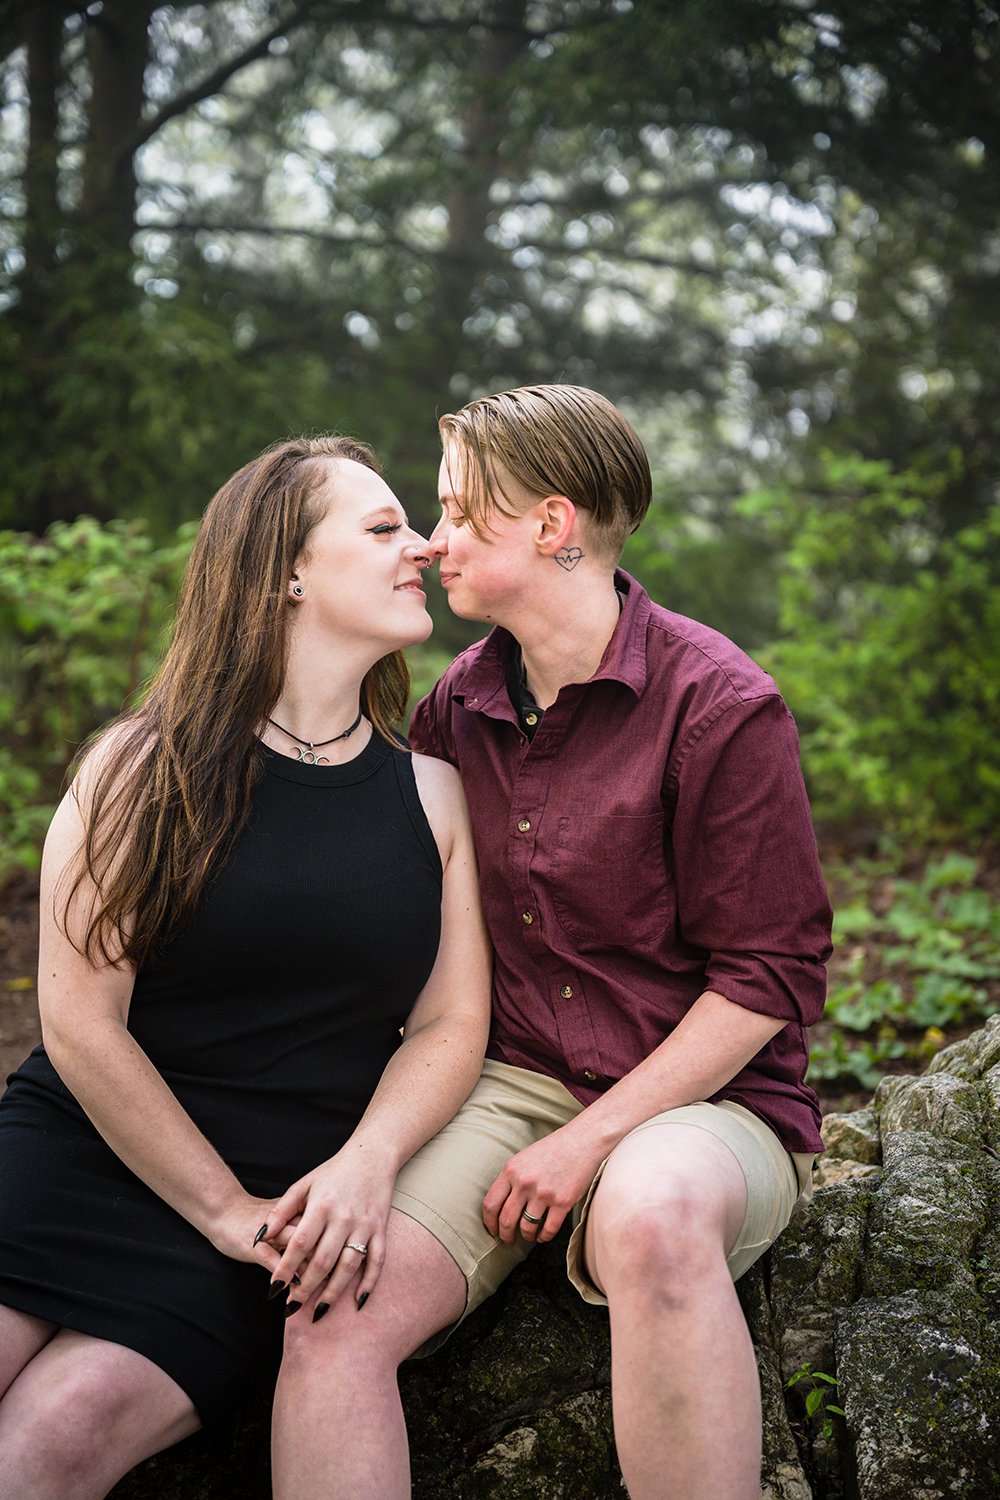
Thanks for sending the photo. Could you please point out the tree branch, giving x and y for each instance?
(289, 231)
(214, 82)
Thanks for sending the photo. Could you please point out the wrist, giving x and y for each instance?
(594, 1134)
(223, 1220)
(374, 1152)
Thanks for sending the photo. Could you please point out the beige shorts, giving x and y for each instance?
(442, 1187)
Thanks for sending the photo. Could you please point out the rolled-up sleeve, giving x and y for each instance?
(750, 891)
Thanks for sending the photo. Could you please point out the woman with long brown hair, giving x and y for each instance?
(249, 888)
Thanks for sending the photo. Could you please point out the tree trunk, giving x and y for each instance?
(75, 322)
(485, 154)
(119, 52)
(43, 40)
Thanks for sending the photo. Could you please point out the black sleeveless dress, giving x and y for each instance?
(271, 1018)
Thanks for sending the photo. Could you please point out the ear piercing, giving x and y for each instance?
(298, 590)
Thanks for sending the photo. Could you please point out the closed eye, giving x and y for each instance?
(386, 528)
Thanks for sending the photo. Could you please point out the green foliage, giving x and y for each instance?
(818, 1401)
(916, 957)
(890, 656)
(84, 612)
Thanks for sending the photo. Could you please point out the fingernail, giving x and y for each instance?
(277, 1287)
(296, 1281)
(322, 1308)
(261, 1234)
(292, 1307)
(362, 1300)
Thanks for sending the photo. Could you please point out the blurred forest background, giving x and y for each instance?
(768, 229)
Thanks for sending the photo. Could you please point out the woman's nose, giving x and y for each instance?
(421, 553)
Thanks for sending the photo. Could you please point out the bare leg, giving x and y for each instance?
(685, 1390)
(82, 1413)
(338, 1422)
(21, 1337)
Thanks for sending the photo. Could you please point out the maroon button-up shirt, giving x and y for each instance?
(652, 842)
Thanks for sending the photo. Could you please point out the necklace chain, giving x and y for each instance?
(308, 756)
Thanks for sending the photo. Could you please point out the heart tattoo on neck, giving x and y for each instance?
(568, 558)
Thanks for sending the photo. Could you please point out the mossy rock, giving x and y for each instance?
(888, 1281)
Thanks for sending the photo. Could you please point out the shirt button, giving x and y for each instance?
(590, 1077)
(531, 719)
(523, 825)
(567, 992)
(527, 918)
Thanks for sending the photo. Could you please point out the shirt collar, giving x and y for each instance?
(484, 676)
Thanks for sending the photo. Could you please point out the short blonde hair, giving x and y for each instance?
(552, 440)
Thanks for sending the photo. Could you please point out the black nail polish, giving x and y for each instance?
(261, 1234)
(322, 1308)
(292, 1307)
(296, 1281)
(362, 1300)
(277, 1288)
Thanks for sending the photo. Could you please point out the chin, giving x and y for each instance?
(420, 632)
(467, 611)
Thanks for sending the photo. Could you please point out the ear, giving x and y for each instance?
(555, 522)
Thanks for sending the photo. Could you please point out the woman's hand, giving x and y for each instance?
(329, 1229)
(236, 1230)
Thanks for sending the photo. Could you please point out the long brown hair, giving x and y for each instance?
(176, 775)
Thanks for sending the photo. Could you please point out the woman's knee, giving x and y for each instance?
(341, 1337)
(74, 1415)
(72, 1419)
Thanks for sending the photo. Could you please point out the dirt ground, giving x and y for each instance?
(18, 971)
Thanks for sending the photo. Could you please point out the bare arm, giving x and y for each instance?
(708, 1047)
(84, 1013)
(424, 1083)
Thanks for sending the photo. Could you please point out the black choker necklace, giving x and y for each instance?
(308, 756)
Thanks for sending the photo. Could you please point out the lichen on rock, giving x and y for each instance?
(888, 1282)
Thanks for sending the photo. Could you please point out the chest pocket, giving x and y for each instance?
(610, 885)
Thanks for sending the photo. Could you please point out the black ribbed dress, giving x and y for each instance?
(271, 1018)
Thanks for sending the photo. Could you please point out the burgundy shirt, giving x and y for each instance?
(652, 841)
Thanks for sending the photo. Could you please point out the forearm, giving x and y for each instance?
(346, 1200)
(710, 1045)
(422, 1087)
(142, 1121)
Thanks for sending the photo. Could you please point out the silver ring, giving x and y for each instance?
(530, 1217)
(361, 1249)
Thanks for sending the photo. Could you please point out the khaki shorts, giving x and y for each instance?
(443, 1185)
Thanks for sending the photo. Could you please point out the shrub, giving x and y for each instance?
(890, 656)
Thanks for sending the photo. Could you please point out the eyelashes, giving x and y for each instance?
(386, 528)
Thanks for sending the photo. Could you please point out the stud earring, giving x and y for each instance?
(298, 590)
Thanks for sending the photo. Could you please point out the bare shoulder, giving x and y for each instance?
(437, 776)
(117, 750)
(440, 789)
(113, 753)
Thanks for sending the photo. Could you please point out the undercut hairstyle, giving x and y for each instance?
(176, 774)
(551, 440)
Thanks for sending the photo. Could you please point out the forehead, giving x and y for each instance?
(451, 477)
(348, 487)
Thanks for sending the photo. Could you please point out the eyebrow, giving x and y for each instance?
(385, 510)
